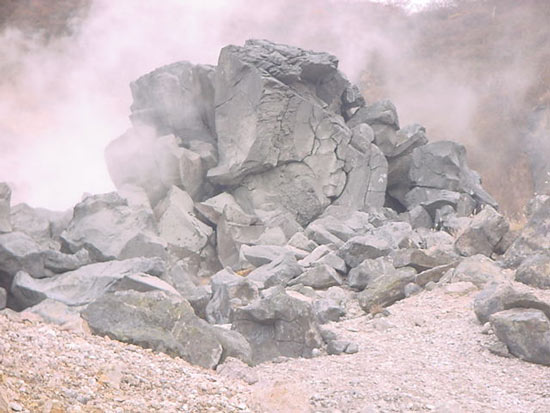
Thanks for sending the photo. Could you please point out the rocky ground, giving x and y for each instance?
(429, 354)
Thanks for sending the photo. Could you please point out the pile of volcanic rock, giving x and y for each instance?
(256, 202)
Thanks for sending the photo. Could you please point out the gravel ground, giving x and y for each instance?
(428, 355)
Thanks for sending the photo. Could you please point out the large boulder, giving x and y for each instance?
(386, 289)
(80, 287)
(535, 271)
(19, 252)
(178, 226)
(29, 220)
(526, 333)
(229, 291)
(479, 270)
(535, 236)
(165, 323)
(5, 199)
(434, 175)
(110, 229)
(290, 149)
(500, 296)
(278, 325)
(483, 234)
(177, 98)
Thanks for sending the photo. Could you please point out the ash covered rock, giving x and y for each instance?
(5, 199)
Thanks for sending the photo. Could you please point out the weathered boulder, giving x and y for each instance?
(109, 229)
(59, 262)
(3, 298)
(278, 325)
(177, 225)
(526, 333)
(19, 252)
(320, 276)
(479, 270)
(367, 271)
(31, 222)
(500, 296)
(197, 295)
(483, 234)
(213, 208)
(327, 309)
(418, 259)
(164, 323)
(535, 271)
(229, 291)
(287, 152)
(386, 289)
(360, 248)
(535, 236)
(55, 312)
(177, 98)
(278, 272)
(86, 284)
(259, 255)
(5, 199)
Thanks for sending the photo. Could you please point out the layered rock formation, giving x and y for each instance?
(266, 196)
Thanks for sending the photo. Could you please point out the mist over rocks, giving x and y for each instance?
(265, 195)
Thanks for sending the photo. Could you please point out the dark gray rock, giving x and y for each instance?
(109, 229)
(284, 153)
(418, 217)
(500, 296)
(229, 291)
(59, 262)
(535, 236)
(178, 99)
(415, 258)
(177, 225)
(19, 252)
(535, 271)
(259, 255)
(327, 310)
(433, 275)
(278, 325)
(526, 333)
(386, 289)
(279, 272)
(80, 287)
(369, 270)
(360, 248)
(183, 281)
(479, 270)
(31, 222)
(483, 234)
(381, 112)
(5, 199)
(319, 277)
(164, 323)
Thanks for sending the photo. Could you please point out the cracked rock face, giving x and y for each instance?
(289, 149)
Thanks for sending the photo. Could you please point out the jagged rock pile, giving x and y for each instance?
(258, 200)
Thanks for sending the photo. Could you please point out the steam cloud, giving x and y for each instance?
(63, 101)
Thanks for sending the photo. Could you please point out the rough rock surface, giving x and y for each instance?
(278, 325)
(109, 229)
(82, 286)
(162, 322)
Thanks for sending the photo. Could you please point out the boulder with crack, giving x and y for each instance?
(288, 151)
(483, 234)
(229, 291)
(386, 289)
(109, 229)
(526, 333)
(278, 325)
(164, 322)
